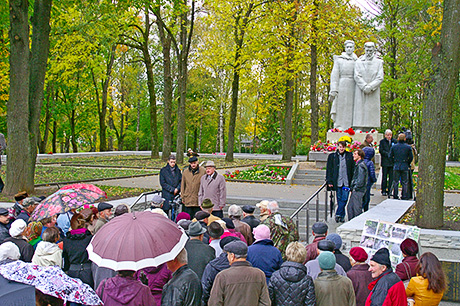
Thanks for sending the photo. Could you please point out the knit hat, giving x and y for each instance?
(17, 227)
(9, 250)
(326, 260)
(182, 215)
(261, 232)
(382, 256)
(319, 228)
(409, 247)
(207, 203)
(358, 254)
(215, 230)
(336, 239)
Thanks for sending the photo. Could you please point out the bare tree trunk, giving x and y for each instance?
(73, 136)
(138, 124)
(44, 142)
(220, 129)
(437, 118)
(313, 68)
(54, 141)
(17, 174)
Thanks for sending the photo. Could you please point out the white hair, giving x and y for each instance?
(273, 206)
(158, 211)
(388, 132)
(235, 211)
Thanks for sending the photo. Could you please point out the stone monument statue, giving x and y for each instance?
(368, 77)
(342, 91)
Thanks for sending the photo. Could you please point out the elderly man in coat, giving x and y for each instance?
(212, 186)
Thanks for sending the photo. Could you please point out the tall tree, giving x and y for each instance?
(27, 74)
(437, 118)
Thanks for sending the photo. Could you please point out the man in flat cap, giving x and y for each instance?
(241, 284)
(4, 224)
(248, 216)
(212, 186)
(319, 231)
(104, 212)
(190, 186)
(387, 288)
(199, 254)
(170, 181)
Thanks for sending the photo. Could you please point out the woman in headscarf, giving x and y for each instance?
(408, 268)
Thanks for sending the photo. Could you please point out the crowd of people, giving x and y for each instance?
(241, 259)
(352, 175)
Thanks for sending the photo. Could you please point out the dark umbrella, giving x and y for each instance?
(14, 294)
(135, 241)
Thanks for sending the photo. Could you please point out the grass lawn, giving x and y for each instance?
(451, 218)
(146, 162)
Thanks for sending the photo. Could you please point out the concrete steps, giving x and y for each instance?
(309, 177)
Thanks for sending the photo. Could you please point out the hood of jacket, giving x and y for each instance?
(368, 153)
(46, 248)
(122, 289)
(220, 263)
(293, 271)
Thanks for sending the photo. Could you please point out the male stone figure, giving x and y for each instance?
(368, 77)
(342, 91)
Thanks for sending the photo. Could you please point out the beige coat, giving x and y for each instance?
(190, 186)
(47, 254)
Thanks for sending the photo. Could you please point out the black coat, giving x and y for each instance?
(24, 215)
(332, 169)
(26, 249)
(384, 150)
(74, 253)
(210, 273)
(183, 288)
(342, 260)
(169, 180)
(199, 255)
(4, 232)
(252, 221)
(291, 285)
(401, 154)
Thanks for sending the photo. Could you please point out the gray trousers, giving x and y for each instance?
(355, 205)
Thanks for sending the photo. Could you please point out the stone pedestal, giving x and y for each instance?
(335, 136)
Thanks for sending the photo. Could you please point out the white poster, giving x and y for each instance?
(381, 234)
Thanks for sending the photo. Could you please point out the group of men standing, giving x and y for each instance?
(194, 184)
(354, 173)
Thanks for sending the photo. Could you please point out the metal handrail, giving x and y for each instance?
(307, 204)
(144, 195)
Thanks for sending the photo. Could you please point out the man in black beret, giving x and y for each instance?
(387, 288)
(313, 268)
(230, 288)
(190, 186)
(4, 224)
(105, 212)
(248, 216)
(319, 231)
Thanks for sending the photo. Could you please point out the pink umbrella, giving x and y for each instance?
(135, 241)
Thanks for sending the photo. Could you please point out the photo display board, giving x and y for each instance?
(381, 234)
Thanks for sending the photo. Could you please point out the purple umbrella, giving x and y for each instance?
(52, 281)
(135, 241)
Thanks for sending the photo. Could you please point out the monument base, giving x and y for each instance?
(335, 136)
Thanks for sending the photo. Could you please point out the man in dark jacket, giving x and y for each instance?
(385, 162)
(358, 185)
(401, 154)
(387, 288)
(291, 285)
(339, 173)
(184, 287)
(4, 224)
(28, 205)
(19, 198)
(360, 275)
(170, 180)
(213, 268)
(241, 284)
(341, 259)
(199, 254)
(248, 216)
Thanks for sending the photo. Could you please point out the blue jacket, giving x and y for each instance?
(368, 155)
(210, 273)
(263, 255)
